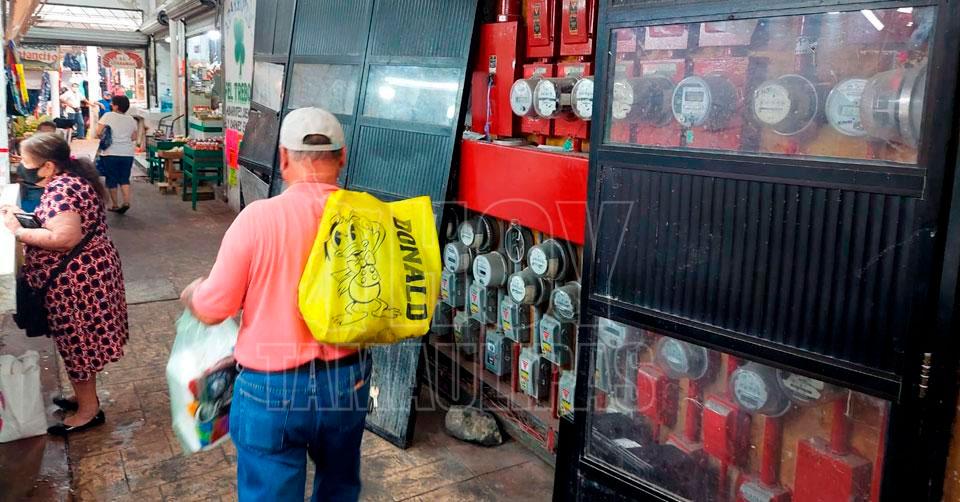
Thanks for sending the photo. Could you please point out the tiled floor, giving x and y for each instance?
(164, 245)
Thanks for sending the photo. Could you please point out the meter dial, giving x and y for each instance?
(681, 359)
(526, 288)
(552, 97)
(521, 97)
(843, 107)
(788, 104)
(490, 270)
(645, 99)
(566, 300)
(457, 257)
(478, 233)
(806, 391)
(892, 101)
(582, 98)
(707, 101)
(548, 259)
(755, 388)
(516, 241)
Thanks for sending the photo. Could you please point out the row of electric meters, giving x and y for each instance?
(887, 106)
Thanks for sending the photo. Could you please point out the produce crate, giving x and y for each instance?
(203, 155)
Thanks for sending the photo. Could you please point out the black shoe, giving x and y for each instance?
(65, 404)
(123, 209)
(63, 430)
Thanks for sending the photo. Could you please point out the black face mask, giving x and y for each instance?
(30, 176)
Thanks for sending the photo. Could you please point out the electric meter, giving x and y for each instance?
(566, 301)
(521, 97)
(709, 101)
(516, 241)
(457, 257)
(806, 391)
(552, 97)
(617, 349)
(490, 270)
(566, 390)
(483, 303)
(478, 233)
(442, 323)
(453, 290)
(466, 333)
(788, 104)
(582, 98)
(498, 354)
(843, 107)
(892, 104)
(681, 359)
(556, 339)
(548, 259)
(645, 99)
(527, 288)
(533, 374)
(756, 389)
(514, 320)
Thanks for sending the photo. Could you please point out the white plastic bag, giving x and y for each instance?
(200, 374)
(21, 403)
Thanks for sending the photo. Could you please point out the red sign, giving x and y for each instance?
(122, 59)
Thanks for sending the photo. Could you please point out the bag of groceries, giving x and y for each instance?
(200, 374)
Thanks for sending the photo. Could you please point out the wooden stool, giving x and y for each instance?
(173, 175)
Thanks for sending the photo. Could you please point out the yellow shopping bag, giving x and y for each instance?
(373, 275)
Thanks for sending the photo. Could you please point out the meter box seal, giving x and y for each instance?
(566, 390)
(453, 291)
(556, 339)
(498, 354)
(483, 303)
(466, 333)
(533, 374)
(514, 320)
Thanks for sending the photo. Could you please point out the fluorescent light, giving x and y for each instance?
(422, 84)
(874, 20)
(834, 13)
(166, 39)
(213, 34)
(905, 10)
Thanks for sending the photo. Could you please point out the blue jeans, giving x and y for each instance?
(81, 127)
(277, 419)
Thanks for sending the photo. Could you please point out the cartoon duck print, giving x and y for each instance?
(357, 239)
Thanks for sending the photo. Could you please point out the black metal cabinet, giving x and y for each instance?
(769, 262)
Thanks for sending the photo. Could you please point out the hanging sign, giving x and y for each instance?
(122, 59)
(238, 22)
(39, 56)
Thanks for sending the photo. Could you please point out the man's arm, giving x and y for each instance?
(220, 296)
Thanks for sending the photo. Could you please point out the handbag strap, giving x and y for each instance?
(67, 259)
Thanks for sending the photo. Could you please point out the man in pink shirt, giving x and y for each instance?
(293, 396)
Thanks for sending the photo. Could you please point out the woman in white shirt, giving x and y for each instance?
(117, 159)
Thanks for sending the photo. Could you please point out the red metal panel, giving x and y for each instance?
(576, 27)
(541, 190)
(498, 52)
(542, 29)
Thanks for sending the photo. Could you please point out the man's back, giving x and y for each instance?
(263, 254)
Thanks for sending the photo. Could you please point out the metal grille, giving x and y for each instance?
(401, 164)
(823, 270)
(421, 28)
(314, 35)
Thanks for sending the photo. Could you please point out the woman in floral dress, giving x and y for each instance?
(86, 303)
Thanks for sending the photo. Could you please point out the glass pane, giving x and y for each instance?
(706, 425)
(329, 86)
(268, 85)
(413, 94)
(838, 84)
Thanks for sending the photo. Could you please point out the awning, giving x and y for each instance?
(60, 36)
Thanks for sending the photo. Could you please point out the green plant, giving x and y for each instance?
(25, 125)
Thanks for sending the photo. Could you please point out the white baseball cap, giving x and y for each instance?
(304, 122)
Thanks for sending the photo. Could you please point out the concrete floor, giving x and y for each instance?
(164, 245)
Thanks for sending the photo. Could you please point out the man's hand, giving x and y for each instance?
(187, 296)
